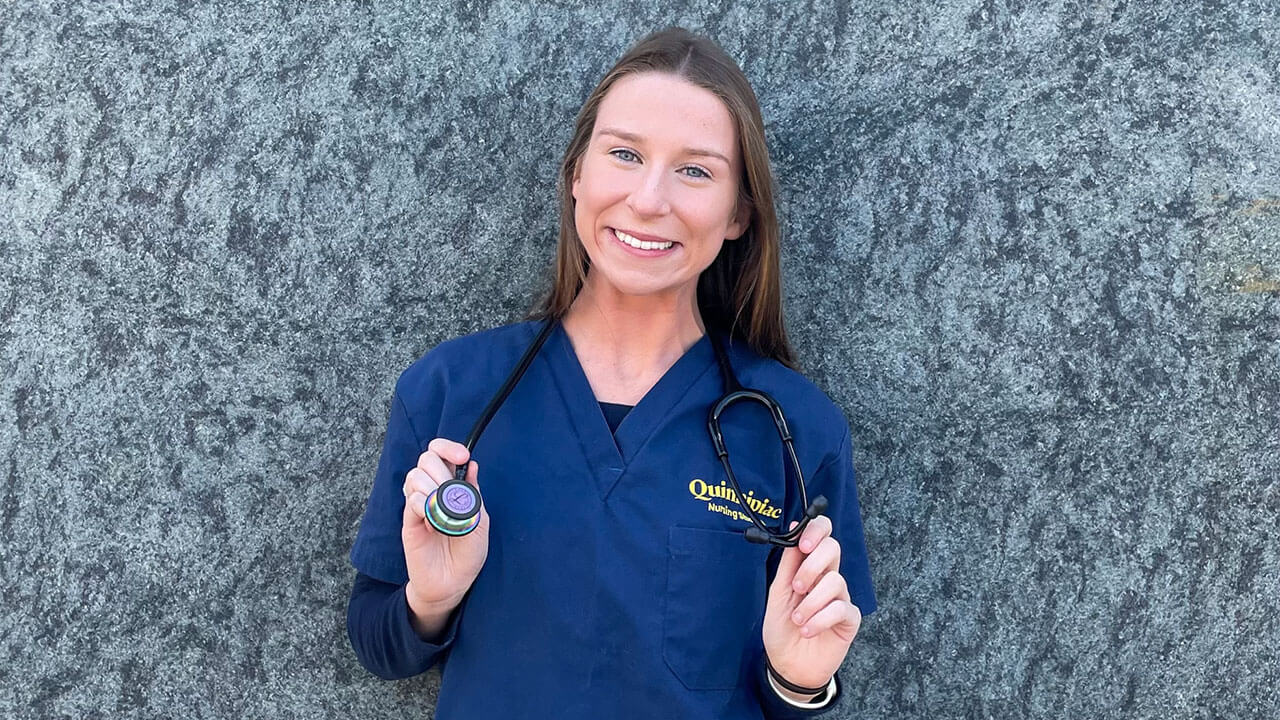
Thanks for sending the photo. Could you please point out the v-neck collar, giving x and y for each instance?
(608, 454)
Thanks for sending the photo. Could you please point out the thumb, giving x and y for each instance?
(473, 479)
(471, 476)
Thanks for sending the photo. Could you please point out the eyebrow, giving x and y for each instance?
(632, 137)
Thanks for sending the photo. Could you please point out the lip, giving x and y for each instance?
(646, 238)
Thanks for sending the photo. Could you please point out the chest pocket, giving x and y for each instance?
(713, 606)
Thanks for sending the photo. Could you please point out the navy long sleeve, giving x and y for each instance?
(382, 634)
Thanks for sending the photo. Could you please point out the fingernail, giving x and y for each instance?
(805, 631)
(795, 617)
(797, 585)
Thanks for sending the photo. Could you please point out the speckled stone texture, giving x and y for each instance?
(1033, 250)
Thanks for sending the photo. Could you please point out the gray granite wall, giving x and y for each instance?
(1033, 250)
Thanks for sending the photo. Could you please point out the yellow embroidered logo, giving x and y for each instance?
(764, 507)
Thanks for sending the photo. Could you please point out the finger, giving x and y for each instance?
(841, 615)
(416, 504)
(788, 564)
(824, 558)
(831, 587)
(419, 485)
(428, 457)
(417, 480)
(817, 529)
(451, 452)
(438, 469)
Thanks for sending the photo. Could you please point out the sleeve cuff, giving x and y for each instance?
(420, 649)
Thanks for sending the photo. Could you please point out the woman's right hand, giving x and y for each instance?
(441, 567)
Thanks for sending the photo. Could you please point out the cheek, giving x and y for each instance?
(710, 221)
(584, 219)
(595, 194)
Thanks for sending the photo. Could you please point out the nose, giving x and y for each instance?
(649, 198)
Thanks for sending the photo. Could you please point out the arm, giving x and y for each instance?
(396, 629)
(818, 594)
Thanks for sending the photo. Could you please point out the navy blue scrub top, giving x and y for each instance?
(618, 583)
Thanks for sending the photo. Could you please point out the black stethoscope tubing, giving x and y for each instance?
(455, 506)
(735, 393)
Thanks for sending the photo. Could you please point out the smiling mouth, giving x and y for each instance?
(638, 244)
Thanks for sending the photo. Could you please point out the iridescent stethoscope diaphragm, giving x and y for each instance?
(454, 508)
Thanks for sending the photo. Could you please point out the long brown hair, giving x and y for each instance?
(741, 292)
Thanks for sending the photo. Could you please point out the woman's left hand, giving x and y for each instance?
(809, 621)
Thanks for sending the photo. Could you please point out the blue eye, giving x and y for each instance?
(626, 155)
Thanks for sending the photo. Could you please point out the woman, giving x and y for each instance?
(608, 576)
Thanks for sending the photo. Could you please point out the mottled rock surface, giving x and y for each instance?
(1033, 250)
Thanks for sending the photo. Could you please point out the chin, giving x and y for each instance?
(634, 290)
(640, 287)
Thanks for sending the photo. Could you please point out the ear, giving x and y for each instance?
(577, 178)
(738, 225)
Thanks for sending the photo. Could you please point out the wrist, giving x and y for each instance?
(795, 697)
(428, 617)
(793, 690)
(804, 700)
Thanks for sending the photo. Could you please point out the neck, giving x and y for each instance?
(625, 342)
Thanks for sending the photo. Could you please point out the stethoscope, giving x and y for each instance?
(454, 508)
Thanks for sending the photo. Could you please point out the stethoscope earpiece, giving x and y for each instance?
(791, 538)
(817, 507)
(758, 532)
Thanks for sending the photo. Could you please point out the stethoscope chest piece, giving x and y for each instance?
(454, 508)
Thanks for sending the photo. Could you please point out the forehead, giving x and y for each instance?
(665, 109)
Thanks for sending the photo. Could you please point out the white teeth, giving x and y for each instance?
(640, 244)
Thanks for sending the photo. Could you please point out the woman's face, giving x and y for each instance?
(656, 188)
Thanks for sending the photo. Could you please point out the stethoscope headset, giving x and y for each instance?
(454, 508)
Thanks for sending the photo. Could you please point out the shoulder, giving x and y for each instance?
(474, 356)
(810, 413)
